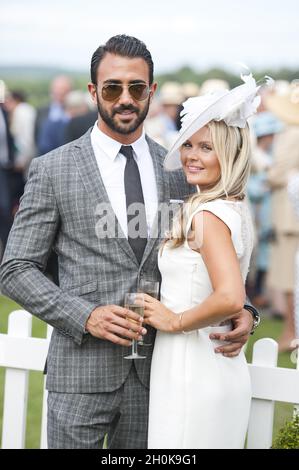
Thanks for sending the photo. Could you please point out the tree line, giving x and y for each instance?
(35, 81)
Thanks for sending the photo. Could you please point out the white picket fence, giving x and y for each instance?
(20, 353)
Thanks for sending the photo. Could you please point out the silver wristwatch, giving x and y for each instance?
(255, 316)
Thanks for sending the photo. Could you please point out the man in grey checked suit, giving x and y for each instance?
(93, 390)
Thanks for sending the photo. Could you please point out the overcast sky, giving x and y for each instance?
(259, 33)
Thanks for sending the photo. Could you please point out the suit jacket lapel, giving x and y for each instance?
(91, 177)
(162, 181)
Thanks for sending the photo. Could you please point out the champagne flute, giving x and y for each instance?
(151, 288)
(135, 302)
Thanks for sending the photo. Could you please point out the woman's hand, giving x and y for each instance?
(159, 316)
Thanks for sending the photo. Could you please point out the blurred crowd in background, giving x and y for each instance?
(273, 187)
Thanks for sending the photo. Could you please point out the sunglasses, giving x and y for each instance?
(112, 91)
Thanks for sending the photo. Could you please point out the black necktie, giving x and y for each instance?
(136, 216)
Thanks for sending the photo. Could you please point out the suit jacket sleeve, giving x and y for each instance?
(29, 245)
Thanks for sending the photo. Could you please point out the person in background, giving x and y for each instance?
(213, 84)
(50, 126)
(171, 97)
(190, 90)
(82, 113)
(51, 120)
(285, 105)
(6, 168)
(265, 126)
(293, 191)
(76, 103)
(163, 126)
(22, 121)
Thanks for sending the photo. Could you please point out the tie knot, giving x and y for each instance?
(127, 151)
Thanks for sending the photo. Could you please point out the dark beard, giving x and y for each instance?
(109, 119)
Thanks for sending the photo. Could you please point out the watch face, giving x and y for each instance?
(256, 321)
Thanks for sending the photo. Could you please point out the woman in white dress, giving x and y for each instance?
(198, 398)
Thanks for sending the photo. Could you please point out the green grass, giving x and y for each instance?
(268, 328)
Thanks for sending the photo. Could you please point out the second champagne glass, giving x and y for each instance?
(135, 302)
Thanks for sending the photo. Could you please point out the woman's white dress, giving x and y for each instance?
(199, 399)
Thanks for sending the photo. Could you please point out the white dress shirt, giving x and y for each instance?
(112, 167)
(22, 128)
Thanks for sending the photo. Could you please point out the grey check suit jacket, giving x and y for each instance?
(58, 210)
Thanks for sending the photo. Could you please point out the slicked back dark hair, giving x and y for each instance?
(18, 95)
(125, 46)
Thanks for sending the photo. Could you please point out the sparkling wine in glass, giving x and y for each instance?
(135, 302)
(151, 288)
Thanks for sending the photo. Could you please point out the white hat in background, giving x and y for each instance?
(171, 93)
(3, 91)
(281, 87)
(75, 98)
(213, 84)
(284, 103)
(190, 89)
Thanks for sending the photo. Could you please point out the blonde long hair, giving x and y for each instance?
(233, 149)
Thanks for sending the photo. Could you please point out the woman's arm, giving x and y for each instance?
(228, 296)
(220, 258)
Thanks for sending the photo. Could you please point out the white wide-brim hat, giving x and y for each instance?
(232, 106)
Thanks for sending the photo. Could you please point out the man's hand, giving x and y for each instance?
(242, 326)
(112, 323)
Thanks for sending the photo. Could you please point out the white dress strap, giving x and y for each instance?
(224, 211)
